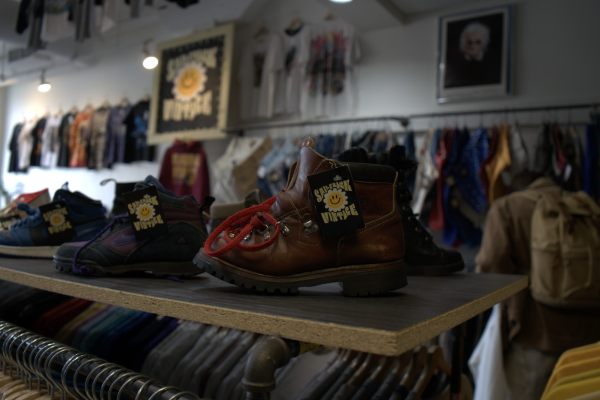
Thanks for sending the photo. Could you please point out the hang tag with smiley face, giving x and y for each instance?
(58, 222)
(336, 201)
(145, 212)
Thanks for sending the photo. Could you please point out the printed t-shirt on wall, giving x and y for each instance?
(262, 60)
(296, 44)
(328, 88)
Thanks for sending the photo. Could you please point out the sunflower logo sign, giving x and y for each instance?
(146, 213)
(57, 221)
(336, 201)
(188, 73)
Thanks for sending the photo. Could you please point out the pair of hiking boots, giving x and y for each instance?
(277, 245)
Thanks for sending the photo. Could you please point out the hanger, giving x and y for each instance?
(383, 369)
(73, 110)
(261, 32)
(105, 104)
(145, 97)
(365, 370)
(436, 363)
(419, 358)
(330, 16)
(124, 101)
(294, 24)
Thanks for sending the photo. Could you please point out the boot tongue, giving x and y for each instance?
(152, 181)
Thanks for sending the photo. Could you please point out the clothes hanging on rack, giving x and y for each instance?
(262, 61)
(92, 138)
(328, 86)
(184, 170)
(297, 48)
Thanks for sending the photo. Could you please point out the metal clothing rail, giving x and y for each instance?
(276, 125)
(503, 110)
(38, 358)
(405, 120)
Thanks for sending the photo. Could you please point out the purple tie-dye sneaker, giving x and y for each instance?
(116, 250)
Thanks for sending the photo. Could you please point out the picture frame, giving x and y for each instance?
(475, 55)
(190, 93)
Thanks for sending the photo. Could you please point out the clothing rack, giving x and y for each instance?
(297, 124)
(405, 120)
(45, 360)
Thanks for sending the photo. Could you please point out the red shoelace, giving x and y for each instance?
(248, 220)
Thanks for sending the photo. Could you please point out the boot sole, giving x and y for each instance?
(158, 269)
(29, 251)
(356, 280)
(434, 270)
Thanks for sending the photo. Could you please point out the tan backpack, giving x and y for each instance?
(565, 250)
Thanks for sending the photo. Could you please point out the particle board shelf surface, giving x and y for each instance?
(388, 324)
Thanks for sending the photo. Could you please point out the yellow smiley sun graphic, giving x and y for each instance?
(145, 212)
(189, 82)
(57, 219)
(335, 200)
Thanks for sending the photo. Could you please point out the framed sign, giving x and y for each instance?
(191, 87)
(475, 55)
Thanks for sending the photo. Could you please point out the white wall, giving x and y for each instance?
(556, 61)
(119, 75)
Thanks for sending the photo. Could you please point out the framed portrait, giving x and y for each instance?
(190, 95)
(475, 55)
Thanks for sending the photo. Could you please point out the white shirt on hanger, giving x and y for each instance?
(50, 141)
(56, 24)
(262, 60)
(296, 44)
(328, 84)
(25, 143)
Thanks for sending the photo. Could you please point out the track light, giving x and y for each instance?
(150, 62)
(44, 86)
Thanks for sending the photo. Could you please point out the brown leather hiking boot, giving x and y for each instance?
(278, 245)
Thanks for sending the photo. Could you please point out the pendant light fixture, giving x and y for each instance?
(44, 86)
(150, 61)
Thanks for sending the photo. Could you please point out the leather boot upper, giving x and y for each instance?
(303, 249)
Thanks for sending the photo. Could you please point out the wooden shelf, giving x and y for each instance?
(388, 325)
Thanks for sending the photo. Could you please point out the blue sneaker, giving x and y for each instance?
(29, 237)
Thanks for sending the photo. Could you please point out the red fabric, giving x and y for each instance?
(55, 319)
(184, 170)
(250, 220)
(52, 321)
(436, 218)
(561, 161)
(482, 174)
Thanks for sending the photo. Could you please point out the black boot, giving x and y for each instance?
(119, 207)
(422, 255)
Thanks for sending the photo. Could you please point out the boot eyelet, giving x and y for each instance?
(231, 235)
(284, 229)
(248, 236)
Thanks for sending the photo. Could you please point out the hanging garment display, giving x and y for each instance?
(184, 170)
(297, 50)
(79, 138)
(97, 145)
(136, 146)
(262, 61)
(328, 85)
(64, 132)
(51, 141)
(56, 24)
(13, 148)
(116, 132)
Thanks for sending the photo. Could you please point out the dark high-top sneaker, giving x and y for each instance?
(116, 250)
(279, 245)
(422, 256)
(119, 207)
